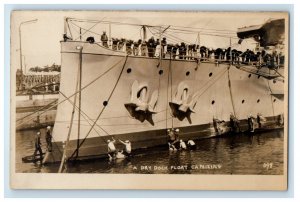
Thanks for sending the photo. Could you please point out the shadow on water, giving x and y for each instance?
(239, 154)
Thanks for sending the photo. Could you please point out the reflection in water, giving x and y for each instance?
(240, 154)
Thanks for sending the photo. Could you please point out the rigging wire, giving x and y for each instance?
(102, 110)
(87, 85)
(135, 24)
(88, 30)
(213, 32)
(86, 117)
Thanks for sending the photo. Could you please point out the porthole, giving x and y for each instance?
(274, 100)
(274, 81)
(128, 70)
(187, 73)
(243, 101)
(105, 103)
(161, 72)
(249, 75)
(210, 74)
(258, 101)
(212, 102)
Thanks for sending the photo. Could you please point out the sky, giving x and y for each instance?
(41, 40)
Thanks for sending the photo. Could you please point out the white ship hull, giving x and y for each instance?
(219, 90)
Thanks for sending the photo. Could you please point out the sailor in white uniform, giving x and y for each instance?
(111, 148)
(182, 145)
(127, 144)
(191, 145)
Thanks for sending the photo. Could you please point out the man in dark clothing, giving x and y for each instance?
(228, 54)
(37, 144)
(104, 39)
(128, 47)
(163, 45)
(182, 51)
(115, 43)
(218, 53)
(234, 55)
(136, 47)
(203, 51)
(151, 47)
(192, 49)
(169, 50)
(174, 50)
(121, 44)
(49, 139)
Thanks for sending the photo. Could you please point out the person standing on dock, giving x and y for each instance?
(127, 144)
(49, 138)
(37, 144)
(111, 148)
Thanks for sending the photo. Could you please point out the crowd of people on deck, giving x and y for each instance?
(160, 48)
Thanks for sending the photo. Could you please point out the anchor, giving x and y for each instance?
(140, 107)
(183, 104)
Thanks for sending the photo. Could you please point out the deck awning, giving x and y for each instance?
(269, 34)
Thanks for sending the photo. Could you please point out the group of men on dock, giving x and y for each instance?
(38, 145)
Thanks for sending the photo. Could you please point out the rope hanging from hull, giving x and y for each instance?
(230, 92)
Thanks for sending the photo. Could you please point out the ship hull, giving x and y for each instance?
(97, 147)
(200, 92)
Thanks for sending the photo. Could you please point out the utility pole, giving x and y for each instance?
(20, 40)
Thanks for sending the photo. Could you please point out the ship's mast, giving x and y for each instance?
(198, 38)
(144, 33)
(109, 35)
(65, 25)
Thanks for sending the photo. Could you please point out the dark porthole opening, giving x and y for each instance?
(258, 101)
(187, 73)
(161, 72)
(212, 102)
(210, 74)
(249, 75)
(128, 70)
(274, 100)
(243, 101)
(105, 103)
(274, 81)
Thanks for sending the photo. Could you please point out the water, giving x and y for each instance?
(260, 154)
